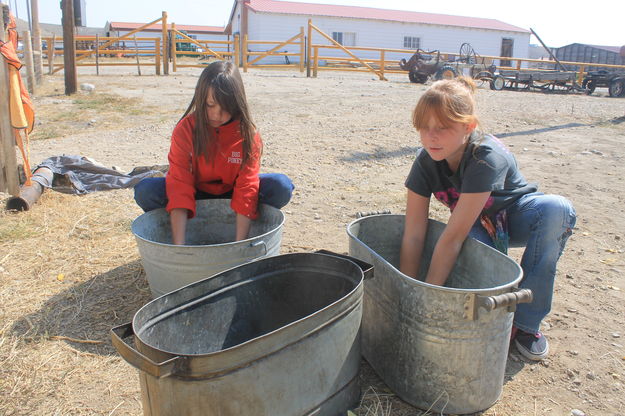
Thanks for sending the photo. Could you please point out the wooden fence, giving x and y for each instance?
(145, 51)
(381, 66)
(202, 49)
(298, 39)
(314, 57)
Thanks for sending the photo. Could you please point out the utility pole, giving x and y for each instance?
(69, 47)
(34, 5)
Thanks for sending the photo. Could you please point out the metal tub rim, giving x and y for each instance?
(414, 282)
(182, 247)
(240, 354)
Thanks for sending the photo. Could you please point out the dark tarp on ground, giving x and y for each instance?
(80, 175)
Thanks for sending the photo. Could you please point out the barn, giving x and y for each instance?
(371, 27)
(579, 52)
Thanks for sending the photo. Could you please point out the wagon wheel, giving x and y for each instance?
(497, 83)
(617, 88)
(467, 54)
(589, 85)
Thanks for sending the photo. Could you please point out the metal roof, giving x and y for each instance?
(159, 27)
(356, 12)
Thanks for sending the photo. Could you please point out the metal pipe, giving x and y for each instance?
(548, 50)
(29, 195)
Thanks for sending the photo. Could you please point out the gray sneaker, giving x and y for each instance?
(534, 347)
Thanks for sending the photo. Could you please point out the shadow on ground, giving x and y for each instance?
(83, 314)
(381, 153)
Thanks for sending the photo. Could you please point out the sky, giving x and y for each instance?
(557, 22)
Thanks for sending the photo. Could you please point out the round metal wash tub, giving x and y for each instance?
(210, 247)
(438, 348)
(277, 336)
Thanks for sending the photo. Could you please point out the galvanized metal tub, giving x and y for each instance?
(277, 336)
(210, 247)
(438, 348)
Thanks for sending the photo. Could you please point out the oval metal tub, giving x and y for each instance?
(210, 247)
(277, 336)
(438, 348)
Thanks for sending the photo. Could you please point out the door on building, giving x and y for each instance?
(507, 46)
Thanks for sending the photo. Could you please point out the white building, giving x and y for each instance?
(117, 29)
(369, 27)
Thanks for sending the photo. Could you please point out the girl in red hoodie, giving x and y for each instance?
(215, 153)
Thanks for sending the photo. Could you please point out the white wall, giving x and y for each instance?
(236, 19)
(383, 34)
(130, 44)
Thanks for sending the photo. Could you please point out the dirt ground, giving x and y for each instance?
(70, 269)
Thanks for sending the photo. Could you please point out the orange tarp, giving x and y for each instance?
(21, 108)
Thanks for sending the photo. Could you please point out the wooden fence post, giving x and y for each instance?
(165, 45)
(237, 50)
(97, 54)
(302, 49)
(51, 47)
(244, 54)
(69, 48)
(9, 180)
(580, 76)
(134, 37)
(382, 62)
(30, 62)
(174, 47)
(157, 55)
(308, 51)
(316, 62)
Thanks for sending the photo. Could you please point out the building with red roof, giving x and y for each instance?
(373, 27)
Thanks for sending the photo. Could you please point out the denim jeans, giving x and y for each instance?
(542, 224)
(275, 189)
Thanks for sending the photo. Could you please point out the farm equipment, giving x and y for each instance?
(424, 64)
(614, 82)
(545, 81)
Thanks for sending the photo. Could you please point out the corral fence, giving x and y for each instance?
(90, 48)
(201, 49)
(252, 58)
(299, 52)
(378, 62)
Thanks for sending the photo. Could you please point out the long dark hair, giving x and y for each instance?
(225, 81)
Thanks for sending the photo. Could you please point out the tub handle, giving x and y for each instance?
(473, 302)
(257, 243)
(362, 214)
(135, 358)
(367, 269)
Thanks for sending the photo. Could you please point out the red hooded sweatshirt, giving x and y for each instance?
(226, 172)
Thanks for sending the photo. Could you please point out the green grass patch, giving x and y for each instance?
(16, 230)
(44, 133)
(107, 102)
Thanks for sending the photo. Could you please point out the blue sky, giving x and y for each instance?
(557, 22)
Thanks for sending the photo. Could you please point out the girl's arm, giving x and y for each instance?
(415, 227)
(243, 225)
(178, 220)
(448, 247)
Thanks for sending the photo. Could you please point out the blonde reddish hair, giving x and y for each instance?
(449, 100)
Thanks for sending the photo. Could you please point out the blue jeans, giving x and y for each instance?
(275, 189)
(542, 224)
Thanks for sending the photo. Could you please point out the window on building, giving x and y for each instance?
(411, 42)
(345, 38)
